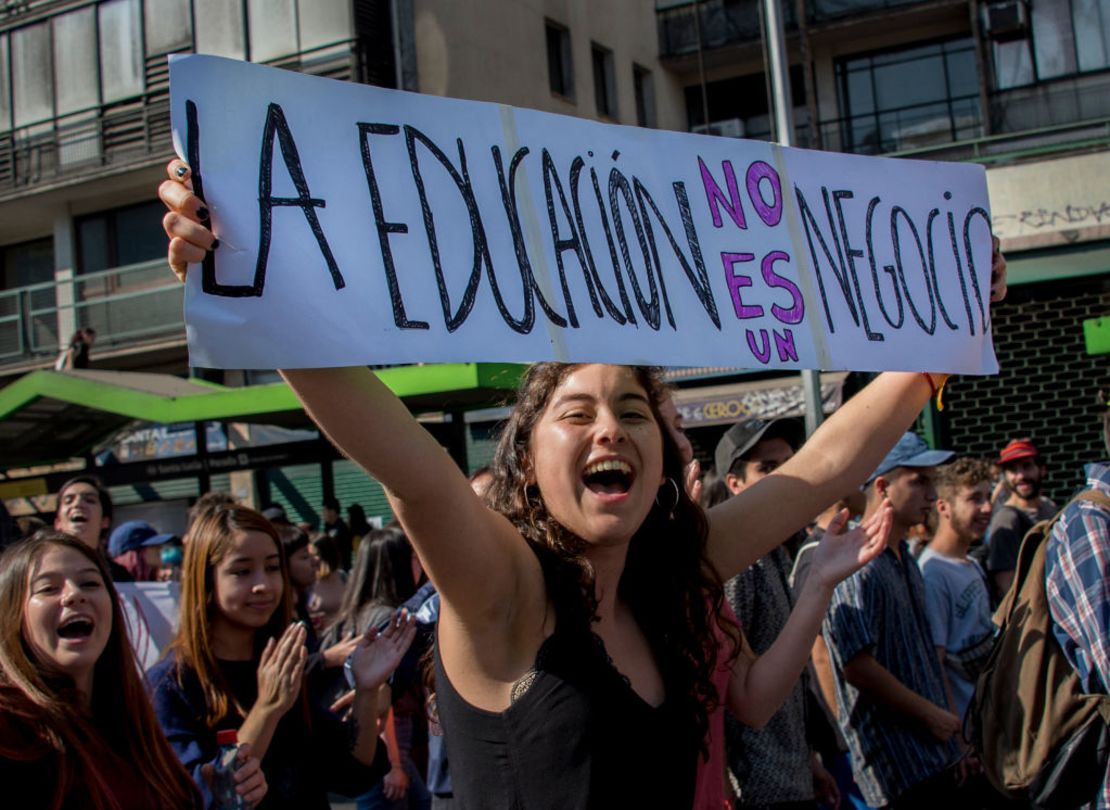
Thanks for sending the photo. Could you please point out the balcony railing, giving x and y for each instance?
(721, 23)
(1051, 104)
(1048, 117)
(136, 130)
(125, 305)
(736, 22)
(50, 151)
(912, 127)
(822, 11)
(916, 126)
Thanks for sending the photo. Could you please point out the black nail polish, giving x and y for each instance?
(202, 212)
(215, 244)
(182, 171)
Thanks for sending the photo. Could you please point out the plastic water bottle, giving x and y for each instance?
(223, 781)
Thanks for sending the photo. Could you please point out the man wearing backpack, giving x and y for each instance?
(893, 706)
(1023, 470)
(1077, 583)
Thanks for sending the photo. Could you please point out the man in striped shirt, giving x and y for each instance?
(890, 688)
(1077, 581)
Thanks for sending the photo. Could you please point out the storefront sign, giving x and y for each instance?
(770, 400)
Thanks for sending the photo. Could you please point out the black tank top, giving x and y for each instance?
(576, 737)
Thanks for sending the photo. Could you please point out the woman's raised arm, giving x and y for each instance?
(473, 555)
(839, 455)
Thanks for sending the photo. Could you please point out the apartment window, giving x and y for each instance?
(560, 77)
(221, 29)
(120, 237)
(1065, 37)
(5, 96)
(644, 89)
(273, 29)
(325, 22)
(739, 108)
(32, 75)
(121, 50)
(909, 97)
(605, 82)
(1013, 64)
(27, 263)
(75, 61)
(1092, 33)
(168, 25)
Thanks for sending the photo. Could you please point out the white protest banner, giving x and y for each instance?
(362, 226)
(150, 611)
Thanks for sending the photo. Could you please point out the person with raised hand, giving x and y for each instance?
(237, 663)
(76, 727)
(575, 652)
(383, 579)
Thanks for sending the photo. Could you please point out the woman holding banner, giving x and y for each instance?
(76, 727)
(575, 652)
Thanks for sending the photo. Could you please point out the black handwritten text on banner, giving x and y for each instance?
(360, 225)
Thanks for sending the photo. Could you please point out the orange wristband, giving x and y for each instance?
(937, 391)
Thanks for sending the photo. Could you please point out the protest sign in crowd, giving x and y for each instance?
(593, 621)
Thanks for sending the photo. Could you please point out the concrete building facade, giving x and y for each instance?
(1021, 87)
(85, 134)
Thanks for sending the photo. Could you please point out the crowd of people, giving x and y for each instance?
(590, 623)
(844, 670)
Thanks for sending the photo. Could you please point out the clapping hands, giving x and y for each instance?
(281, 668)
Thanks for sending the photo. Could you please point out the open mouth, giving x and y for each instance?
(78, 519)
(609, 477)
(79, 627)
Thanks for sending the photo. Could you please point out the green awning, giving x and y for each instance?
(1051, 264)
(49, 416)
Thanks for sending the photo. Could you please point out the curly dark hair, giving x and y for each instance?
(963, 472)
(674, 593)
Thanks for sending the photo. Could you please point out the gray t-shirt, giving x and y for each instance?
(958, 607)
(1007, 529)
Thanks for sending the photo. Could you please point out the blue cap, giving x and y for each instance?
(133, 535)
(911, 451)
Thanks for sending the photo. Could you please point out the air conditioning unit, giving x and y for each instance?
(1006, 20)
(729, 128)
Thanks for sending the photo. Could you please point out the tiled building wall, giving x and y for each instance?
(1047, 387)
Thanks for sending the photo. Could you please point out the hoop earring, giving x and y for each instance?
(677, 498)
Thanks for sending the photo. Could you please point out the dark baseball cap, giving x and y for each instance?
(133, 535)
(911, 451)
(739, 439)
